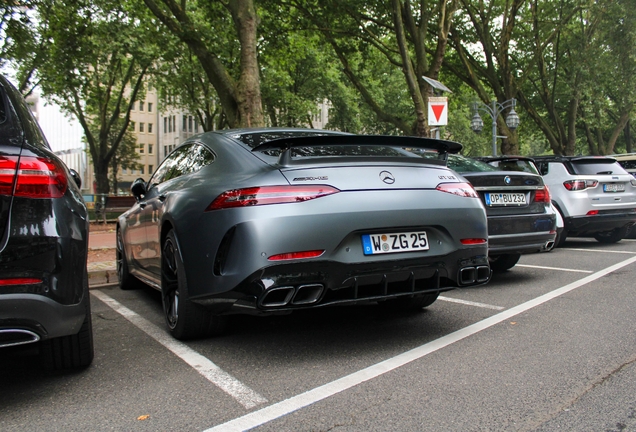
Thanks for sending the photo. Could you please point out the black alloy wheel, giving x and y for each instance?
(185, 319)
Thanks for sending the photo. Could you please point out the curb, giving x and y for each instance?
(102, 274)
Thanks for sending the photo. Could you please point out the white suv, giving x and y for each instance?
(595, 195)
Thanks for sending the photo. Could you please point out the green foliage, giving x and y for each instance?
(569, 63)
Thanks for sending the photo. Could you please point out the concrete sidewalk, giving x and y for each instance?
(102, 274)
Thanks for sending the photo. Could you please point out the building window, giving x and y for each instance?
(149, 127)
(150, 149)
(149, 106)
(141, 148)
(141, 127)
(169, 123)
(141, 170)
(124, 171)
(141, 106)
(165, 151)
(190, 123)
(131, 126)
(196, 126)
(165, 125)
(183, 125)
(174, 122)
(150, 168)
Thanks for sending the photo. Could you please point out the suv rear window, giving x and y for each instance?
(592, 167)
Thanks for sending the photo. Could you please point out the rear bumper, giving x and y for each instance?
(521, 234)
(604, 222)
(284, 288)
(521, 243)
(41, 315)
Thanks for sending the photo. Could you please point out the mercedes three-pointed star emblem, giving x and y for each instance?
(387, 177)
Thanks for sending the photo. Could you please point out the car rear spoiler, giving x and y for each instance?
(286, 144)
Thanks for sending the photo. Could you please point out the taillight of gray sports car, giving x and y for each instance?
(267, 221)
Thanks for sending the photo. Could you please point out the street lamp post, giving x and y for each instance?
(493, 110)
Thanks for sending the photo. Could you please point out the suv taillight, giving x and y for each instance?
(38, 177)
(577, 185)
(269, 195)
(542, 195)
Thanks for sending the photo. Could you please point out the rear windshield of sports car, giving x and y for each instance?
(594, 167)
(255, 139)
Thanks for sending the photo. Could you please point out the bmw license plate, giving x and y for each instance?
(374, 244)
(504, 199)
(614, 187)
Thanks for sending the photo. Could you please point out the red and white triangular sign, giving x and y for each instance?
(437, 111)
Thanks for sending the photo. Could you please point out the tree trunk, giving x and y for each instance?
(248, 91)
(101, 176)
(421, 121)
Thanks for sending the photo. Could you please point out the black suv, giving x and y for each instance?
(43, 244)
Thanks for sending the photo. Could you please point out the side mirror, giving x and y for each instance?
(76, 177)
(138, 188)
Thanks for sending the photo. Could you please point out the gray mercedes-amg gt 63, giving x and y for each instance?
(268, 221)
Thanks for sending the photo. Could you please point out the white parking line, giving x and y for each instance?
(470, 303)
(230, 385)
(554, 268)
(288, 406)
(601, 251)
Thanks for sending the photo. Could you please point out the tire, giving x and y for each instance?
(613, 236)
(185, 319)
(562, 234)
(414, 303)
(501, 263)
(70, 352)
(126, 280)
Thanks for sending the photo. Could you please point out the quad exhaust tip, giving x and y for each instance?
(300, 295)
(471, 275)
(14, 337)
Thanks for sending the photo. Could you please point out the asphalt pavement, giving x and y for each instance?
(549, 345)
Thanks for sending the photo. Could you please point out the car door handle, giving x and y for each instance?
(162, 197)
(143, 204)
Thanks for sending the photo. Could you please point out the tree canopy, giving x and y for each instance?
(570, 65)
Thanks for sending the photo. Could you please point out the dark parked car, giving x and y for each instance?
(269, 221)
(43, 243)
(524, 164)
(520, 219)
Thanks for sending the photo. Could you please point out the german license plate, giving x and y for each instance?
(614, 187)
(374, 244)
(506, 198)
